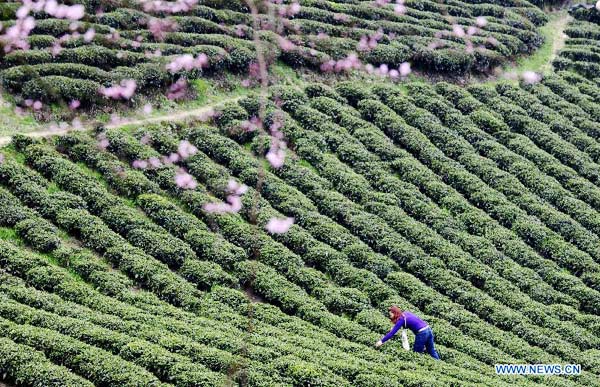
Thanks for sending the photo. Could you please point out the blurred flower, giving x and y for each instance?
(279, 226)
(404, 69)
(160, 27)
(458, 30)
(139, 164)
(178, 89)
(186, 149)
(530, 77)
(125, 90)
(185, 180)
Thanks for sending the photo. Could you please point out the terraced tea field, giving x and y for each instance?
(75, 59)
(212, 251)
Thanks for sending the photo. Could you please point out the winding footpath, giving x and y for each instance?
(174, 116)
(558, 25)
(559, 41)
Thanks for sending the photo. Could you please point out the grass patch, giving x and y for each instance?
(9, 234)
(308, 165)
(11, 122)
(285, 73)
(53, 187)
(540, 60)
(201, 87)
(11, 152)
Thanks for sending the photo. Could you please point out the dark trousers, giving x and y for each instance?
(424, 340)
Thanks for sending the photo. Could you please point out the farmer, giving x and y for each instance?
(422, 331)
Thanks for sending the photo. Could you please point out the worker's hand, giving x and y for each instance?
(378, 344)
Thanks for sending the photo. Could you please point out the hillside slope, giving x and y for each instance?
(455, 203)
(476, 207)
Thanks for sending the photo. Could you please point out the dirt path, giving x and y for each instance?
(175, 116)
(559, 40)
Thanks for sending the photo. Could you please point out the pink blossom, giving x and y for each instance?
(178, 89)
(51, 7)
(37, 6)
(279, 226)
(236, 188)
(276, 157)
(404, 69)
(598, 5)
(294, 9)
(22, 12)
(481, 21)
(1, 158)
(469, 47)
(472, 30)
(168, 6)
(239, 30)
(61, 11)
(64, 38)
(125, 90)
(184, 61)
(328, 66)
(160, 27)
(15, 37)
(458, 30)
(340, 17)
(185, 180)
(103, 143)
(285, 44)
(400, 9)
(186, 149)
(493, 41)
(146, 139)
(139, 164)
(248, 126)
(74, 104)
(174, 157)
(37, 105)
(363, 44)
(234, 203)
(216, 208)
(530, 77)
(154, 162)
(147, 108)
(55, 49)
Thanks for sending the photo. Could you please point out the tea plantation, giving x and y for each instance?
(476, 206)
